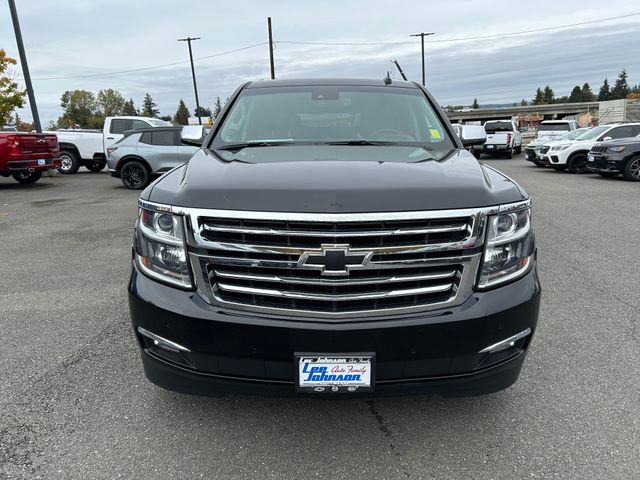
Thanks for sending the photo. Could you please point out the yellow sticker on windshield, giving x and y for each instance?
(434, 133)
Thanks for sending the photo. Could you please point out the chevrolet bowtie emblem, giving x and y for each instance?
(334, 260)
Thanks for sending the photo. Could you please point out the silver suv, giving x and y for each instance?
(142, 154)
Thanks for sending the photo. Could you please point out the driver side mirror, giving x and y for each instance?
(192, 135)
(607, 139)
(471, 135)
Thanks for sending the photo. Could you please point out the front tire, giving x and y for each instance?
(95, 165)
(135, 175)
(69, 162)
(27, 177)
(632, 170)
(578, 163)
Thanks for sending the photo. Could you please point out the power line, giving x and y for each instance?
(461, 39)
(155, 67)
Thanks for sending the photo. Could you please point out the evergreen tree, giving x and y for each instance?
(182, 114)
(524, 103)
(130, 109)
(605, 92)
(621, 87)
(149, 108)
(549, 96)
(576, 95)
(475, 105)
(586, 95)
(539, 98)
(216, 108)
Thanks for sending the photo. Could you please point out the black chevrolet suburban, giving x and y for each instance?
(334, 237)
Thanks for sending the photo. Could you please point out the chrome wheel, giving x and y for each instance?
(65, 163)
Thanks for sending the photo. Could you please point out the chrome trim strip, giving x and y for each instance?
(306, 233)
(506, 343)
(163, 342)
(334, 282)
(330, 297)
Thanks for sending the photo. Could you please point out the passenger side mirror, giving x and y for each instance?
(192, 135)
(472, 135)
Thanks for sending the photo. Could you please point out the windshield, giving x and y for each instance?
(593, 133)
(159, 123)
(573, 134)
(332, 115)
(553, 127)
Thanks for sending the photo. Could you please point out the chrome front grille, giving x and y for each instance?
(404, 262)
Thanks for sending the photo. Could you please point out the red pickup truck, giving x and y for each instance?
(24, 156)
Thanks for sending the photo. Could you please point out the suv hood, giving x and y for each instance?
(334, 185)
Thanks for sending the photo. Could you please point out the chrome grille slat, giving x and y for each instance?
(300, 233)
(330, 281)
(333, 298)
(412, 261)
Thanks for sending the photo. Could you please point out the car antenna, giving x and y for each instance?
(387, 79)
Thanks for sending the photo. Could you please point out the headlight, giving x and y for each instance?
(561, 147)
(159, 247)
(616, 149)
(509, 247)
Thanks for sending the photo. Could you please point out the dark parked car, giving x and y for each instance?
(616, 156)
(334, 237)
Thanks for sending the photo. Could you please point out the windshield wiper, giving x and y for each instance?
(240, 146)
(360, 142)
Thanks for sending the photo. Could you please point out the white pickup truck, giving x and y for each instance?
(502, 137)
(89, 147)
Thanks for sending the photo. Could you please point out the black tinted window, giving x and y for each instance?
(492, 127)
(138, 124)
(163, 137)
(146, 138)
(549, 127)
(620, 132)
(119, 125)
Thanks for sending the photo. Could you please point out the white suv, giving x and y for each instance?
(572, 154)
(552, 129)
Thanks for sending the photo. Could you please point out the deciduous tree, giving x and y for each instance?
(11, 97)
(110, 102)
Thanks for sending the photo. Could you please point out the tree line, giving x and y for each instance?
(619, 91)
(82, 108)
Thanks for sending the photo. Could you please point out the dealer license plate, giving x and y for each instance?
(590, 157)
(526, 156)
(334, 373)
(489, 146)
(42, 161)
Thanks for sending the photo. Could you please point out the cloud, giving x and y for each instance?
(79, 38)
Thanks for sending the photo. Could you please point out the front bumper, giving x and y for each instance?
(605, 163)
(432, 352)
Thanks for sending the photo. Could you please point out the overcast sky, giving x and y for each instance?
(73, 38)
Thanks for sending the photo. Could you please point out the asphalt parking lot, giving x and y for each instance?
(75, 404)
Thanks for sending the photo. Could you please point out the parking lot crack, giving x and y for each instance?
(386, 431)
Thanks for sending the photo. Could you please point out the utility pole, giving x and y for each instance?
(193, 74)
(422, 35)
(25, 67)
(273, 70)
